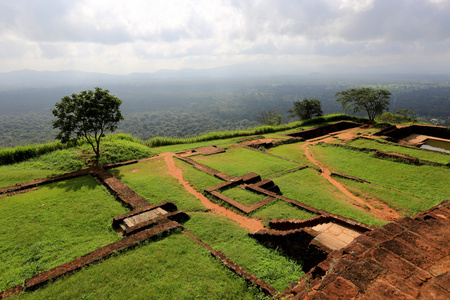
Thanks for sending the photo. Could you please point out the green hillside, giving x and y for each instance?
(46, 225)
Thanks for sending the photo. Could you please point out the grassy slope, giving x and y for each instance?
(292, 151)
(151, 180)
(233, 240)
(315, 191)
(240, 161)
(172, 268)
(59, 222)
(115, 148)
(425, 181)
(414, 152)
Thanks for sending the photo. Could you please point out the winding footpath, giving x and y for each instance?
(377, 208)
(248, 223)
(385, 213)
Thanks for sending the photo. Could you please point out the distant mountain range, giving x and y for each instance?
(43, 79)
(30, 78)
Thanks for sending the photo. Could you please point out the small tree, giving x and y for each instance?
(374, 102)
(87, 115)
(306, 109)
(400, 116)
(270, 117)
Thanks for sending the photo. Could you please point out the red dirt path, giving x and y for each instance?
(249, 223)
(385, 213)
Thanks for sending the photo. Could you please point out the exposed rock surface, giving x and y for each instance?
(406, 259)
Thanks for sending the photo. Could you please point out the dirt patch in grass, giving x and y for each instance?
(248, 223)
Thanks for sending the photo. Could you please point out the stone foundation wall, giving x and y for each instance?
(323, 130)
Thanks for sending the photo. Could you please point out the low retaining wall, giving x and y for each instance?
(99, 254)
(250, 278)
(298, 244)
(323, 130)
(400, 133)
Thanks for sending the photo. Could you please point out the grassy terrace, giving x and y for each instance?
(274, 210)
(280, 210)
(243, 196)
(58, 222)
(406, 205)
(151, 180)
(55, 224)
(292, 151)
(233, 240)
(240, 161)
(313, 190)
(415, 152)
(26, 171)
(172, 268)
(424, 181)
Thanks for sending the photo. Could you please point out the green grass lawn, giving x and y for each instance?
(55, 224)
(172, 268)
(20, 172)
(185, 147)
(240, 161)
(47, 165)
(233, 240)
(198, 179)
(424, 181)
(243, 196)
(278, 209)
(406, 205)
(292, 151)
(307, 186)
(414, 152)
(151, 180)
(113, 149)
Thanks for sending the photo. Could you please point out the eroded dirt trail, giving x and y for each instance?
(385, 213)
(249, 223)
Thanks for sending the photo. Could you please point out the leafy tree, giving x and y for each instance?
(407, 114)
(87, 115)
(306, 109)
(374, 102)
(270, 117)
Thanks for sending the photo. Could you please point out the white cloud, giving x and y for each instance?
(119, 36)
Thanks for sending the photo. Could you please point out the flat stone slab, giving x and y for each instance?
(145, 216)
(335, 236)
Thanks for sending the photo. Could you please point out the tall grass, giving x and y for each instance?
(21, 153)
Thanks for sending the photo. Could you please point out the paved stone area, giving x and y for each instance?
(335, 236)
(405, 259)
(414, 139)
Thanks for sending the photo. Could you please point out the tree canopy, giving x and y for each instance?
(270, 117)
(374, 102)
(306, 109)
(89, 115)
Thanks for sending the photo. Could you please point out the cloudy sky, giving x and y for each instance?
(120, 37)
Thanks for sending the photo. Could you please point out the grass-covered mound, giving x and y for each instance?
(115, 148)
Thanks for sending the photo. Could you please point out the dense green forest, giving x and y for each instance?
(184, 108)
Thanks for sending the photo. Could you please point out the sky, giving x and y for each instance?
(122, 37)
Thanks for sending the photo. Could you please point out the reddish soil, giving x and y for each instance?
(385, 213)
(249, 223)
